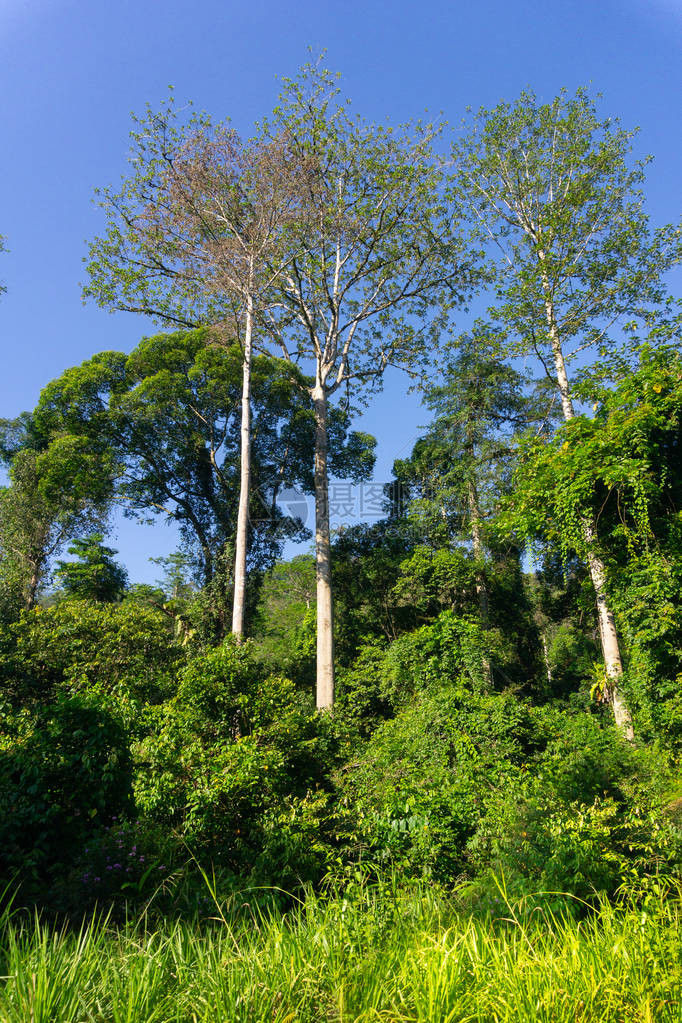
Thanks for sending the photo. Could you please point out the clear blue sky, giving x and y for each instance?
(71, 71)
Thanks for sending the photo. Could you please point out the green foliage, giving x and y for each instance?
(54, 494)
(287, 593)
(421, 786)
(225, 754)
(432, 580)
(622, 465)
(176, 583)
(185, 465)
(587, 817)
(124, 650)
(143, 756)
(621, 455)
(556, 200)
(448, 651)
(120, 865)
(461, 465)
(571, 657)
(95, 576)
(361, 693)
(63, 766)
(366, 564)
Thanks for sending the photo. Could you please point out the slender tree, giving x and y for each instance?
(371, 251)
(552, 189)
(192, 238)
(462, 465)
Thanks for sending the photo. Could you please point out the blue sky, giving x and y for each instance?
(71, 71)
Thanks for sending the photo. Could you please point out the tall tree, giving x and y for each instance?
(371, 251)
(462, 465)
(551, 188)
(193, 238)
(168, 415)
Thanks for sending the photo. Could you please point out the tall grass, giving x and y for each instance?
(379, 956)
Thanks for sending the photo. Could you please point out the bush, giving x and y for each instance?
(226, 756)
(126, 650)
(448, 652)
(416, 794)
(62, 769)
(122, 864)
(586, 817)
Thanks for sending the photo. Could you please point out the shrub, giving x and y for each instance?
(448, 652)
(586, 817)
(63, 768)
(418, 791)
(126, 650)
(226, 754)
(123, 863)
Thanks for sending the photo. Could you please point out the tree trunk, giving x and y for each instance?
(609, 637)
(241, 540)
(325, 626)
(548, 667)
(557, 350)
(33, 582)
(607, 627)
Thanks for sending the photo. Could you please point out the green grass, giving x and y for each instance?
(378, 957)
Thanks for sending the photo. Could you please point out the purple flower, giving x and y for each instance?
(117, 866)
(109, 868)
(98, 879)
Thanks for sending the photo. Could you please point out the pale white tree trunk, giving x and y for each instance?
(241, 544)
(609, 637)
(325, 630)
(545, 651)
(613, 664)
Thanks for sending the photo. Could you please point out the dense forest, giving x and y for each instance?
(458, 719)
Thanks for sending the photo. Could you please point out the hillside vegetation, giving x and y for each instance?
(430, 770)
